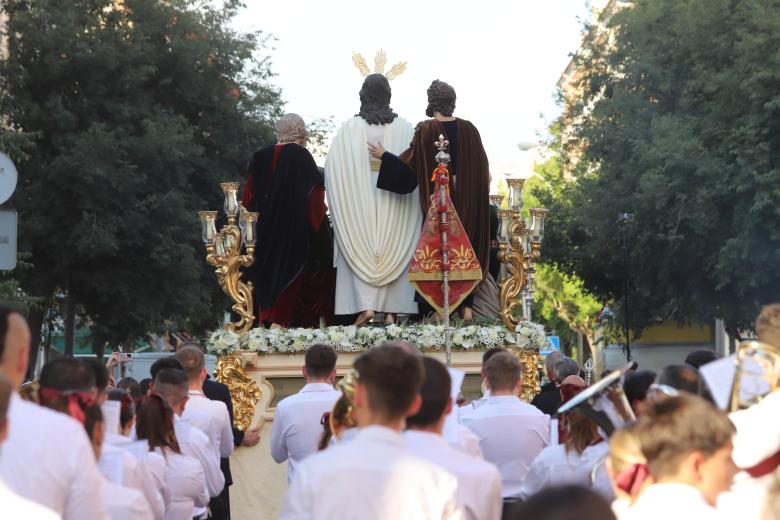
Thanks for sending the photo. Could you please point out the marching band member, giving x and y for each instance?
(479, 482)
(511, 432)
(374, 475)
(572, 461)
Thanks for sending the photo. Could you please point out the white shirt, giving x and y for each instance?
(511, 434)
(125, 503)
(468, 443)
(146, 473)
(195, 444)
(153, 471)
(187, 484)
(48, 459)
(297, 430)
(555, 467)
(670, 502)
(479, 482)
(372, 476)
(15, 506)
(222, 438)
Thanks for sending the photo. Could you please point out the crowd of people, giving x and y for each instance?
(394, 440)
(77, 446)
(405, 447)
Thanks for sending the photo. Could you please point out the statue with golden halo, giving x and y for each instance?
(375, 232)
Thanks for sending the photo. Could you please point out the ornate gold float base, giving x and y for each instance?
(243, 390)
(529, 358)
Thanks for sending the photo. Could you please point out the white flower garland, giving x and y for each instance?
(359, 339)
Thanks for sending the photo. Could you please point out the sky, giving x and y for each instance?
(503, 58)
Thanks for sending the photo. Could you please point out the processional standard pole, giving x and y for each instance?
(443, 159)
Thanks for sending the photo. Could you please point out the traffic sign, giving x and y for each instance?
(8, 177)
(551, 344)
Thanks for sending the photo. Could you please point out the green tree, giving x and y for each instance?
(140, 108)
(561, 301)
(678, 122)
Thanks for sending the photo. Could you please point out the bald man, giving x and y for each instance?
(47, 457)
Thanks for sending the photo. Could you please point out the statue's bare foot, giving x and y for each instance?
(364, 318)
(389, 318)
(275, 326)
(468, 314)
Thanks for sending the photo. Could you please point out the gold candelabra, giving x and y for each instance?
(520, 243)
(223, 251)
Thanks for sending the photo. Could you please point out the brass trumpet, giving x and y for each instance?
(757, 374)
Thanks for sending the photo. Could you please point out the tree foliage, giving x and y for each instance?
(677, 121)
(139, 109)
(561, 301)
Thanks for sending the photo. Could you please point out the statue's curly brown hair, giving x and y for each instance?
(441, 98)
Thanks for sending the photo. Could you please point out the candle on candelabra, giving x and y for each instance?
(503, 224)
(498, 200)
(537, 223)
(248, 224)
(231, 199)
(516, 193)
(208, 226)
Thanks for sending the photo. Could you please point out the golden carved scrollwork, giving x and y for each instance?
(228, 270)
(519, 249)
(513, 255)
(529, 359)
(244, 391)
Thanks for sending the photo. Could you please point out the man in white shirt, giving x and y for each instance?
(194, 363)
(479, 482)
(469, 408)
(687, 443)
(511, 432)
(47, 457)
(12, 504)
(373, 475)
(173, 385)
(297, 427)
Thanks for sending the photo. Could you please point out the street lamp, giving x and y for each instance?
(622, 221)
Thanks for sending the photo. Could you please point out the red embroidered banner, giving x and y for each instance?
(426, 272)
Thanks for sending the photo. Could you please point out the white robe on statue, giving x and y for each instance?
(376, 231)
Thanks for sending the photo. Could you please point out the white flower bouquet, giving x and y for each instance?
(427, 337)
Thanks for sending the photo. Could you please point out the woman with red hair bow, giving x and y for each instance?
(571, 462)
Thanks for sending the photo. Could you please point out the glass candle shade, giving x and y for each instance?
(248, 224)
(503, 224)
(537, 223)
(231, 198)
(526, 240)
(498, 200)
(219, 244)
(516, 193)
(208, 226)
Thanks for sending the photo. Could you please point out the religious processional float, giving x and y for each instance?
(444, 270)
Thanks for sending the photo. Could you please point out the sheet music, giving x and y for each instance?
(111, 464)
(719, 376)
(450, 432)
(111, 411)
